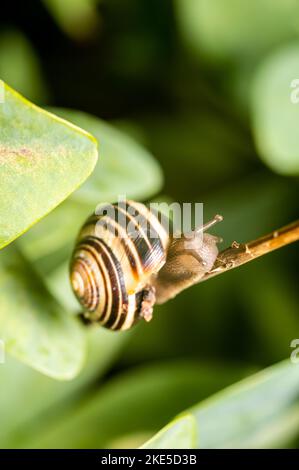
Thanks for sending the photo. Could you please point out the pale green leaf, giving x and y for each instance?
(48, 396)
(55, 233)
(261, 411)
(125, 168)
(59, 284)
(33, 325)
(234, 30)
(179, 434)
(43, 159)
(275, 110)
(138, 394)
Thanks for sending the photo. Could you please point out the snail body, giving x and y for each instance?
(125, 261)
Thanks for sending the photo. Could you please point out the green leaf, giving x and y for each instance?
(232, 30)
(275, 110)
(179, 434)
(59, 284)
(43, 159)
(126, 168)
(261, 411)
(54, 237)
(47, 396)
(20, 67)
(77, 18)
(103, 418)
(34, 327)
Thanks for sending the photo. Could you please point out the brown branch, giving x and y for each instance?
(241, 253)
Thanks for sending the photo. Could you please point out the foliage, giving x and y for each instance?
(194, 95)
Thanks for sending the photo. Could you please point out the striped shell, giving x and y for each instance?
(113, 261)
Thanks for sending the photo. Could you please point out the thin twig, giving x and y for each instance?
(241, 253)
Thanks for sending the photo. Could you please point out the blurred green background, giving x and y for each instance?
(203, 86)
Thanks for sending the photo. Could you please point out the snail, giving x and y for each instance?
(125, 261)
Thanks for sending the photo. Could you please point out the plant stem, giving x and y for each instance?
(241, 253)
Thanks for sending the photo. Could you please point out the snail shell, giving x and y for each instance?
(112, 266)
(125, 261)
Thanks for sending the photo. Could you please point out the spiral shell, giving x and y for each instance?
(113, 261)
